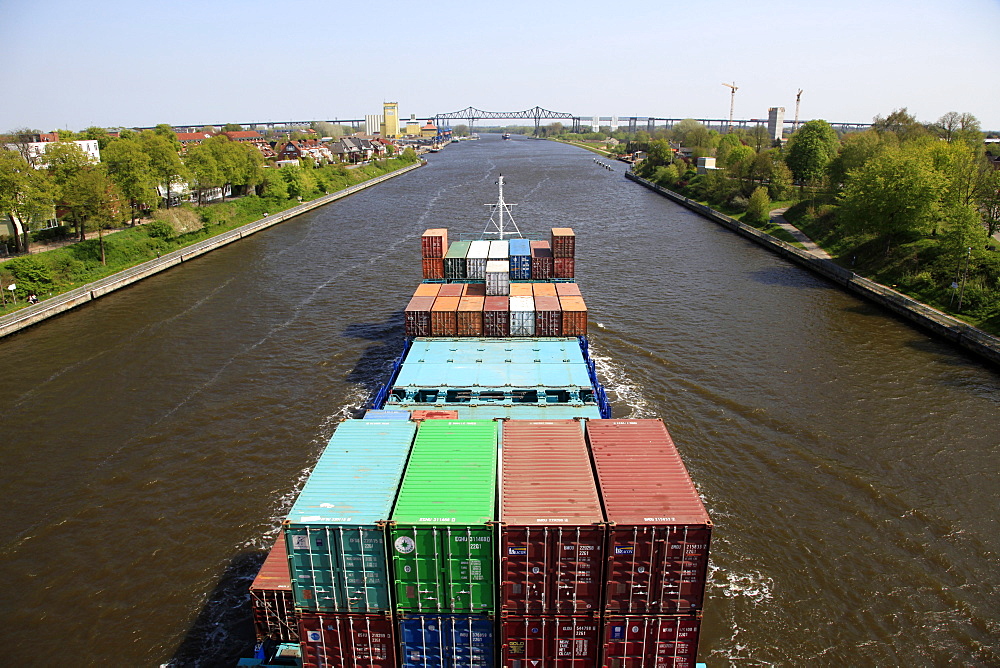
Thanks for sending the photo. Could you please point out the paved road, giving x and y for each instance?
(809, 244)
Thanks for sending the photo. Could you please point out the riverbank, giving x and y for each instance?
(18, 320)
(966, 336)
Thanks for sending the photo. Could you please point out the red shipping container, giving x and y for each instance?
(659, 531)
(665, 641)
(548, 316)
(417, 316)
(427, 290)
(433, 267)
(434, 243)
(470, 316)
(271, 596)
(563, 267)
(496, 317)
(574, 315)
(336, 639)
(419, 416)
(474, 290)
(552, 536)
(563, 242)
(451, 290)
(541, 261)
(568, 289)
(550, 641)
(444, 316)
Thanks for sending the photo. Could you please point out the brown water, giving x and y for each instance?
(151, 439)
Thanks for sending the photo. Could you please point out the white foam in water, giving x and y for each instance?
(751, 585)
(621, 387)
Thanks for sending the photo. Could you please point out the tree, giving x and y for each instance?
(893, 194)
(203, 165)
(129, 167)
(739, 163)
(461, 130)
(24, 194)
(780, 180)
(232, 127)
(857, 149)
(954, 126)
(20, 140)
(66, 161)
(811, 149)
(164, 161)
(759, 209)
(94, 201)
(100, 134)
(901, 123)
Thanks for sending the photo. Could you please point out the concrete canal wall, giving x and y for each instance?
(26, 317)
(968, 337)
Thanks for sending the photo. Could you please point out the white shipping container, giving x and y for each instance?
(522, 316)
(475, 260)
(499, 250)
(497, 278)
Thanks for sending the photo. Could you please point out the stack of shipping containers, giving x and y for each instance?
(433, 246)
(552, 547)
(657, 548)
(336, 544)
(443, 544)
(396, 554)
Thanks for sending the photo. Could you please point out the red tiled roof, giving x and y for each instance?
(243, 134)
(192, 136)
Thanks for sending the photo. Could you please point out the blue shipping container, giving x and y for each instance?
(448, 641)
(336, 544)
(520, 259)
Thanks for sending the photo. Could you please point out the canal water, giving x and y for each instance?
(152, 441)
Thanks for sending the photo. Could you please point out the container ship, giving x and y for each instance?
(487, 510)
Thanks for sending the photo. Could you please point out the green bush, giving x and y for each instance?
(759, 207)
(159, 229)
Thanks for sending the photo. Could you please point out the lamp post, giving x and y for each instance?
(965, 276)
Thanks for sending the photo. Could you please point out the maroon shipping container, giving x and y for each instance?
(271, 596)
(548, 316)
(563, 267)
(444, 316)
(451, 290)
(348, 641)
(563, 242)
(541, 261)
(433, 267)
(474, 290)
(496, 317)
(659, 531)
(417, 317)
(651, 641)
(434, 243)
(550, 641)
(470, 316)
(568, 289)
(552, 534)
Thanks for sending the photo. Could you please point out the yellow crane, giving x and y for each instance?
(732, 102)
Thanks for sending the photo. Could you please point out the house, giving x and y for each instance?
(192, 138)
(34, 151)
(297, 149)
(255, 138)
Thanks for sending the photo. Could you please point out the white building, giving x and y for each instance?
(36, 151)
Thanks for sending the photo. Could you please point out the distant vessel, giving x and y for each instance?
(474, 136)
(506, 135)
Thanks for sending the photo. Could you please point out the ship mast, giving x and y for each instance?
(496, 224)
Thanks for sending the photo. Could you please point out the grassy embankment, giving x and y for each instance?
(53, 272)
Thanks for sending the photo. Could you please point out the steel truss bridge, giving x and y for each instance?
(472, 115)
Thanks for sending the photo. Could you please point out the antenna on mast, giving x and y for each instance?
(496, 224)
(798, 98)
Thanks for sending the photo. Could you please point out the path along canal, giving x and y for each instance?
(151, 439)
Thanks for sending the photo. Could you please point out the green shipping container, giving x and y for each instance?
(442, 533)
(335, 530)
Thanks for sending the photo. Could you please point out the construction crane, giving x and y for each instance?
(798, 98)
(732, 102)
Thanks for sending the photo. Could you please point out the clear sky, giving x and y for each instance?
(72, 64)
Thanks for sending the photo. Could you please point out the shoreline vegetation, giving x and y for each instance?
(912, 206)
(50, 273)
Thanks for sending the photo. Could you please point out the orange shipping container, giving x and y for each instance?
(574, 315)
(470, 316)
(521, 290)
(427, 290)
(544, 289)
(420, 416)
(563, 242)
(444, 320)
(433, 267)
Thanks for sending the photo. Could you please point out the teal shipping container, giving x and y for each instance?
(335, 530)
(442, 532)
